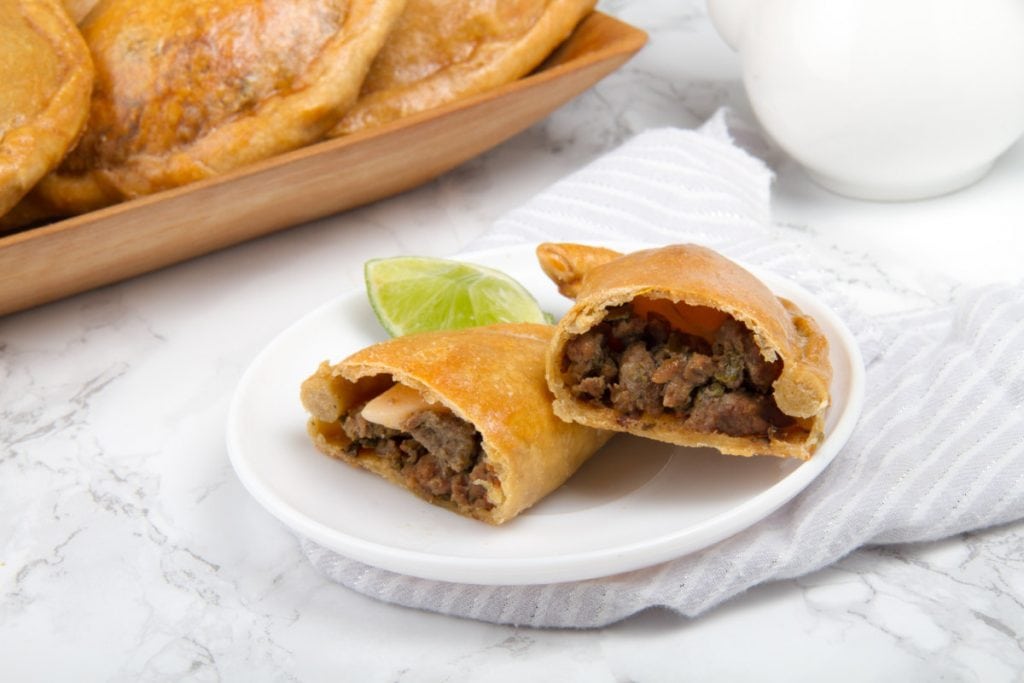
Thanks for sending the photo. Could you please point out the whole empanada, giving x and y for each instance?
(445, 50)
(45, 80)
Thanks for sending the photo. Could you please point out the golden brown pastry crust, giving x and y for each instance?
(445, 50)
(491, 377)
(186, 89)
(698, 277)
(46, 75)
(79, 9)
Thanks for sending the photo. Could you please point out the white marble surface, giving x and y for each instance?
(130, 551)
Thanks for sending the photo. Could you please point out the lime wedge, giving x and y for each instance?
(418, 293)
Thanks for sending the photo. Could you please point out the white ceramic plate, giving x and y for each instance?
(634, 504)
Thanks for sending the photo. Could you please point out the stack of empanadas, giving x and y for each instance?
(187, 89)
(677, 344)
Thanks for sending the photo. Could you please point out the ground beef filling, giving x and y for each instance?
(437, 453)
(641, 366)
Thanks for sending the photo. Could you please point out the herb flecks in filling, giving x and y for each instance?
(438, 454)
(641, 366)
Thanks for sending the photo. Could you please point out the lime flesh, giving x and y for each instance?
(412, 294)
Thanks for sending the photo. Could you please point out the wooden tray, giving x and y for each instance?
(94, 249)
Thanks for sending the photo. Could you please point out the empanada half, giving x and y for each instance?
(682, 345)
(445, 50)
(45, 79)
(461, 418)
(187, 89)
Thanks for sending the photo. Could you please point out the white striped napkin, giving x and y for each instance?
(938, 451)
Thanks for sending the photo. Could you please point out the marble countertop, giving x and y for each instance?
(129, 550)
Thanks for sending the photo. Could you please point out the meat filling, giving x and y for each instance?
(437, 453)
(642, 366)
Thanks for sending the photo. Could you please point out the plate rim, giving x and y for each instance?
(550, 570)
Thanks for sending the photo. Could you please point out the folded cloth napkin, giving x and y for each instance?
(939, 448)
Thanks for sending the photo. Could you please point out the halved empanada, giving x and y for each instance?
(461, 418)
(682, 345)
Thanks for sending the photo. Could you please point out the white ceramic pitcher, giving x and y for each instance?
(883, 99)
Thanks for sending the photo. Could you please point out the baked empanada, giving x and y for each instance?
(186, 89)
(461, 418)
(682, 345)
(45, 80)
(445, 50)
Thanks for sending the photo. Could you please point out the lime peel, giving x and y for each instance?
(412, 294)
